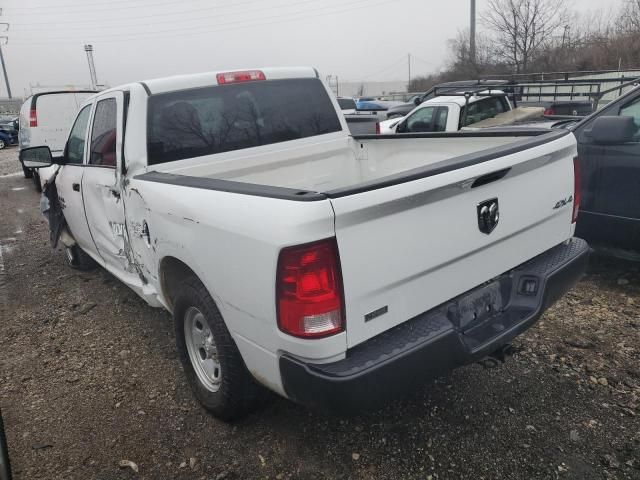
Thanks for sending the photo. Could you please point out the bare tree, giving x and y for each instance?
(629, 18)
(522, 28)
(460, 58)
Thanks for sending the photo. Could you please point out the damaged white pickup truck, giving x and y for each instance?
(335, 270)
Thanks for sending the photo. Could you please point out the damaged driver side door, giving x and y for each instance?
(101, 186)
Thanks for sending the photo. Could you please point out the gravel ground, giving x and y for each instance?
(89, 378)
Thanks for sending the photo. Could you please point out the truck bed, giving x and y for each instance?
(338, 165)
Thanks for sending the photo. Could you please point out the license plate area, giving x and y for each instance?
(477, 307)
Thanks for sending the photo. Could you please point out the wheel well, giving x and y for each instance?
(172, 273)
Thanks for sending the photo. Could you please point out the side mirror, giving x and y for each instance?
(417, 101)
(36, 157)
(612, 130)
(401, 127)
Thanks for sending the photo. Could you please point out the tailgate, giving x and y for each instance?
(409, 247)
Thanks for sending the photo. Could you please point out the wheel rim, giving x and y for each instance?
(1, 144)
(202, 349)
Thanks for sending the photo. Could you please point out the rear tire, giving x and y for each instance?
(78, 259)
(2, 144)
(212, 362)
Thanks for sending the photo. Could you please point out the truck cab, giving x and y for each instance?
(449, 113)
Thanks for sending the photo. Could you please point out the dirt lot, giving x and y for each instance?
(89, 377)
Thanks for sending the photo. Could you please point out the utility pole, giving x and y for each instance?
(92, 67)
(472, 33)
(565, 35)
(4, 71)
(409, 63)
(4, 40)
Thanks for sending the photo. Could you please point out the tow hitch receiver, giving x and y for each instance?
(499, 356)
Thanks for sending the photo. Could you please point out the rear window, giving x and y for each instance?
(59, 109)
(209, 120)
(347, 104)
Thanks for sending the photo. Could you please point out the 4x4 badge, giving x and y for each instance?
(488, 215)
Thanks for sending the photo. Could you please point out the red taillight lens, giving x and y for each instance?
(33, 118)
(549, 111)
(377, 128)
(576, 189)
(309, 294)
(238, 77)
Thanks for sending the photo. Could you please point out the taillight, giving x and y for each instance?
(309, 296)
(238, 77)
(33, 118)
(377, 128)
(576, 189)
(549, 111)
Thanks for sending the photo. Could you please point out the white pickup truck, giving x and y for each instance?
(335, 270)
(450, 113)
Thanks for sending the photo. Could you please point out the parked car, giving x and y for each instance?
(8, 133)
(335, 270)
(347, 105)
(6, 139)
(609, 153)
(449, 113)
(374, 107)
(404, 109)
(368, 113)
(45, 119)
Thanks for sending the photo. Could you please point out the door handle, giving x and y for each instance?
(76, 187)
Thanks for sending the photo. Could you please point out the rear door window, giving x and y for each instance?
(484, 109)
(103, 134)
(210, 120)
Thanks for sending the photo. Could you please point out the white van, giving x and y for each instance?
(45, 119)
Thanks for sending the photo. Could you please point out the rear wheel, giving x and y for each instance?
(212, 362)
(2, 144)
(78, 259)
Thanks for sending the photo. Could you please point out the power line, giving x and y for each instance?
(116, 22)
(415, 57)
(172, 14)
(393, 65)
(180, 28)
(75, 7)
(116, 38)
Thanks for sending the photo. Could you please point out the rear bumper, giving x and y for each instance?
(460, 332)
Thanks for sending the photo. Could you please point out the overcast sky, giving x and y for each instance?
(140, 39)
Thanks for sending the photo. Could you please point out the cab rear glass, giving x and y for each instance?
(209, 120)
